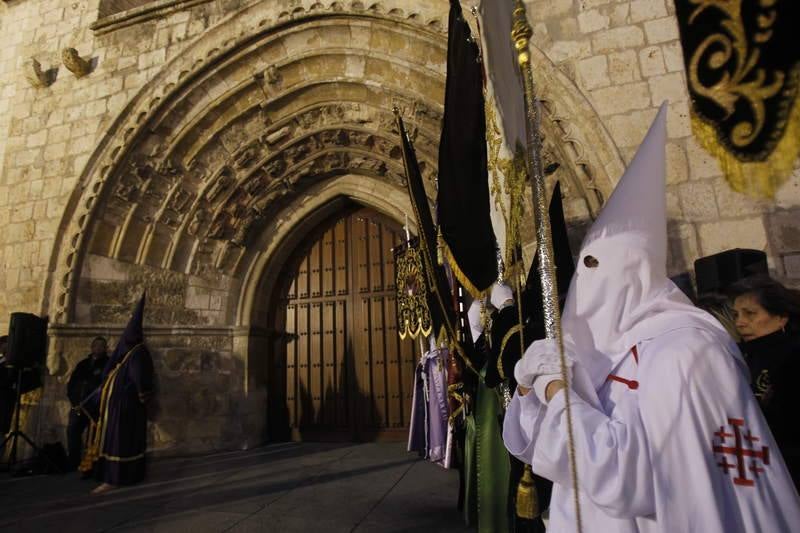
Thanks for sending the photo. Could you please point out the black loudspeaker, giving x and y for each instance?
(27, 340)
(716, 273)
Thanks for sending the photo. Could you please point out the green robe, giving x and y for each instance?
(493, 464)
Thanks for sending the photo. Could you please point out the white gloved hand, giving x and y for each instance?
(540, 359)
(474, 317)
(501, 294)
(541, 383)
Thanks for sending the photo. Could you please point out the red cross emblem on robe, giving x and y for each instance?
(739, 444)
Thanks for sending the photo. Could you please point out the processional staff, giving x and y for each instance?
(521, 34)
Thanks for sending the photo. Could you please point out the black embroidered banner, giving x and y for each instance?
(411, 285)
(441, 306)
(442, 302)
(467, 236)
(742, 63)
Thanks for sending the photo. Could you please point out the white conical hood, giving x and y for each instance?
(621, 295)
(638, 203)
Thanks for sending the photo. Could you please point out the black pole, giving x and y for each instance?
(12, 436)
(12, 457)
(16, 433)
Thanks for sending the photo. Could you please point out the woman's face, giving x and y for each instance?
(752, 320)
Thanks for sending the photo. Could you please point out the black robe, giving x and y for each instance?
(123, 415)
(118, 438)
(774, 362)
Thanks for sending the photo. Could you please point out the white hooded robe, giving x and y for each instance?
(668, 437)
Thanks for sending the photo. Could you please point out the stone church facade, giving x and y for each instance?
(190, 147)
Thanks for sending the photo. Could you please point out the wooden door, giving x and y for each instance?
(348, 376)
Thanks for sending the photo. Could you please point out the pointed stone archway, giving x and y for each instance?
(240, 144)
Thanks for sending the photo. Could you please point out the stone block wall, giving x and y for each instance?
(110, 288)
(623, 55)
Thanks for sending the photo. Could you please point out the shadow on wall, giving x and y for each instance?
(345, 413)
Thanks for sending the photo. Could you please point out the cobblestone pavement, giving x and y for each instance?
(281, 487)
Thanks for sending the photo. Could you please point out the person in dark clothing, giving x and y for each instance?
(85, 379)
(768, 319)
(119, 437)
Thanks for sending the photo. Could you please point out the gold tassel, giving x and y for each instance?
(527, 498)
(91, 454)
(87, 463)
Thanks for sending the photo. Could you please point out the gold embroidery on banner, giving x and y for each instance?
(755, 178)
(746, 82)
(448, 333)
(411, 288)
(731, 88)
(512, 188)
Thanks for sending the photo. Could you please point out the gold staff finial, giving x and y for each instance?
(521, 32)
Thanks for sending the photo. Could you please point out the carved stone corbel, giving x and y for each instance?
(35, 75)
(75, 63)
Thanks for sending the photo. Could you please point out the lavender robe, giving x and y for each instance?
(428, 433)
(438, 410)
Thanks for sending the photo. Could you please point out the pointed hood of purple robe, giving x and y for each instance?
(130, 338)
